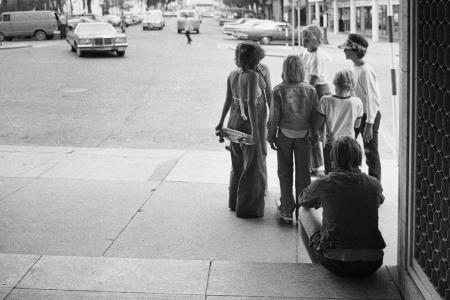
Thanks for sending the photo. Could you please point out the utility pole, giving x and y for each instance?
(293, 23)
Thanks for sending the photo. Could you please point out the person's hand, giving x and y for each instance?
(368, 134)
(273, 145)
(219, 129)
(219, 132)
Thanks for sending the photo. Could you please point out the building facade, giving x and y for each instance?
(367, 17)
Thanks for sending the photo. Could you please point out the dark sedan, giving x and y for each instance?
(268, 33)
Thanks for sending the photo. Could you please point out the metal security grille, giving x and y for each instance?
(432, 199)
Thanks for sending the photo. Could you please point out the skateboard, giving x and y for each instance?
(235, 136)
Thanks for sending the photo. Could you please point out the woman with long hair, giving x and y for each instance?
(247, 106)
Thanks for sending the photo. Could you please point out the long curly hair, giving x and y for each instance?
(248, 55)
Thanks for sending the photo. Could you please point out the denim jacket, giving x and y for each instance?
(350, 202)
(294, 106)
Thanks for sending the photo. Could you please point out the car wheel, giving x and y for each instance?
(198, 31)
(120, 53)
(265, 40)
(40, 35)
(79, 52)
(2, 37)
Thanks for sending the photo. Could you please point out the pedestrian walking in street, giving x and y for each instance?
(188, 28)
(291, 118)
(247, 107)
(315, 61)
(339, 215)
(367, 89)
(341, 113)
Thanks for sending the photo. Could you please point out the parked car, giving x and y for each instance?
(153, 19)
(113, 20)
(96, 37)
(242, 24)
(192, 16)
(232, 15)
(170, 14)
(74, 20)
(41, 24)
(268, 33)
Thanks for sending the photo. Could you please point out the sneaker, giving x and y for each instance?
(317, 173)
(285, 218)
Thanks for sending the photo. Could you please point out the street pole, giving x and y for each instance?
(293, 23)
(299, 23)
(393, 76)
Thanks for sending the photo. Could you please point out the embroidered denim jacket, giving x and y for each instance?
(294, 106)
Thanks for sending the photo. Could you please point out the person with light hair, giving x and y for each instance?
(316, 61)
(341, 113)
(291, 117)
(339, 215)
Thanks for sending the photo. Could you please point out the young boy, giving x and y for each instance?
(368, 91)
(340, 112)
(315, 61)
(294, 103)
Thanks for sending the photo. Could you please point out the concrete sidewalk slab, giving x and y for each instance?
(33, 294)
(118, 275)
(192, 221)
(13, 267)
(293, 280)
(104, 167)
(214, 167)
(9, 186)
(68, 217)
(4, 292)
(25, 164)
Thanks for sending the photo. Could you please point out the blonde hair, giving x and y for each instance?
(343, 80)
(313, 32)
(293, 71)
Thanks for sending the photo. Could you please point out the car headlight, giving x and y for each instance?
(85, 41)
(121, 40)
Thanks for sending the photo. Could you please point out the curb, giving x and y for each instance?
(17, 46)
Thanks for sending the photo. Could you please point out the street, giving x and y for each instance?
(163, 94)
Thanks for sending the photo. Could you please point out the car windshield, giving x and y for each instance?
(155, 13)
(98, 27)
(153, 17)
(189, 14)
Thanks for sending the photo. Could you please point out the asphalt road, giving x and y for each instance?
(163, 94)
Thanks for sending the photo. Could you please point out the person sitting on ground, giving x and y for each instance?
(341, 113)
(345, 237)
(291, 117)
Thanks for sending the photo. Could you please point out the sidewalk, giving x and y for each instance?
(154, 224)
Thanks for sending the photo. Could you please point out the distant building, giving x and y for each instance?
(354, 16)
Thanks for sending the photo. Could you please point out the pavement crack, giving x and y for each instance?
(140, 209)
(23, 276)
(207, 279)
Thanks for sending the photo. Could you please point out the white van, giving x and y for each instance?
(41, 24)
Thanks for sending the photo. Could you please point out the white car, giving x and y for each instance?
(190, 15)
(96, 37)
(153, 19)
(230, 28)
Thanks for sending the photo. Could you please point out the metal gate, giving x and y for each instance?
(432, 157)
